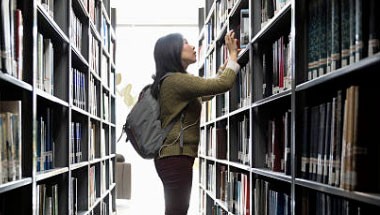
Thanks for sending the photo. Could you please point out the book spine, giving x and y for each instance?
(345, 32)
(335, 37)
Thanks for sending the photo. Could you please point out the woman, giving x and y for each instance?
(182, 93)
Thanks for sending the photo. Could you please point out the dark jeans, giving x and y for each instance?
(176, 173)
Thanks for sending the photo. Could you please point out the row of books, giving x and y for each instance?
(336, 143)
(103, 141)
(234, 190)
(244, 28)
(223, 8)
(277, 67)
(239, 144)
(105, 32)
(47, 199)
(93, 193)
(92, 140)
(76, 142)
(212, 29)
(106, 112)
(348, 33)
(73, 194)
(213, 142)
(211, 177)
(45, 141)
(319, 203)
(11, 37)
(270, 8)
(93, 90)
(76, 31)
(45, 64)
(210, 71)
(103, 174)
(277, 156)
(74, 208)
(268, 199)
(241, 94)
(94, 54)
(79, 89)
(104, 70)
(10, 141)
(222, 104)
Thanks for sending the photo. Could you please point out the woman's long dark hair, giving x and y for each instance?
(167, 56)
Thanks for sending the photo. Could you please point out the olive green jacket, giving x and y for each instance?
(185, 91)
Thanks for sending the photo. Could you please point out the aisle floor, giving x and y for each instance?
(147, 196)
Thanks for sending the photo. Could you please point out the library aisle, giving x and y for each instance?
(136, 68)
(147, 195)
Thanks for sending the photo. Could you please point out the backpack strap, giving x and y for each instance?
(181, 132)
(163, 77)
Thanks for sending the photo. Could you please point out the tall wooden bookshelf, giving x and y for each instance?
(297, 133)
(57, 107)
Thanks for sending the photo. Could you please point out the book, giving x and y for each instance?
(361, 30)
(327, 141)
(352, 30)
(321, 142)
(278, 144)
(244, 28)
(305, 147)
(11, 140)
(345, 32)
(18, 38)
(336, 35)
(6, 36)
(347, 141)
(221, 142)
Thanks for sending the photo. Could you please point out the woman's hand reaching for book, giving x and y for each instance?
(232, 45)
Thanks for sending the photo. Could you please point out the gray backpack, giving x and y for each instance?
(143, 125)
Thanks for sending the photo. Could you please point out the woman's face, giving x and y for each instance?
(188, 54)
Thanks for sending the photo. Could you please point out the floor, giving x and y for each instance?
(147, 196)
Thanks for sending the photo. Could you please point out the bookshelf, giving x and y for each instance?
(57, 107)
(293, 136)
